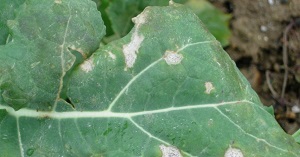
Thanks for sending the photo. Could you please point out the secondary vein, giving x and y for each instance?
(62, 60)
(130, 82)
(19, 138)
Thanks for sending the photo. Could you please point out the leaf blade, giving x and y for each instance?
(182, 94)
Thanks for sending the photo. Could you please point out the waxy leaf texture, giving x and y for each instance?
(166, 89)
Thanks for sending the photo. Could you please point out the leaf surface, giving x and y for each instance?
(167, 88)
(296, 136)
(46, 37)
(216, 21)
(7, 8)
(120, 13)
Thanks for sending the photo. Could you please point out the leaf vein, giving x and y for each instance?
(154, 137)
(19, 138)
(102, 114)
(62, 60)
(257, 139)
(130, 82)
(192, 44)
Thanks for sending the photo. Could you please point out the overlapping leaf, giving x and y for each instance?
(44, 36)
(165, 88)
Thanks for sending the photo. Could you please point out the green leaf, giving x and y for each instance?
(215, 21)
(102, 7)
(296, 136)
(166, 89)
(7, 8)
(121, 12)
(44, 35)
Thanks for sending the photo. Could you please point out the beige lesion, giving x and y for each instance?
(58, 1)
(172, 58)
(233, 152)
(87, 66)
(130, 50)
(169, 151)
(209, 87)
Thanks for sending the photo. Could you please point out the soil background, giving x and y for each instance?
(265, 44)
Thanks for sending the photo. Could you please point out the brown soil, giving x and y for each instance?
(258, 46)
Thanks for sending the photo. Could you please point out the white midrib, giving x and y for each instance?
(103, 114)
(109, 114)
(106, 114)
